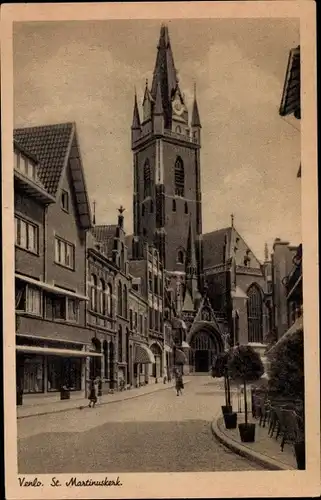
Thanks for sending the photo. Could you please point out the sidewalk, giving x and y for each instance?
(50, 406)
(265, 451)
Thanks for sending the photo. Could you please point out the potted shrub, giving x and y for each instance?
(286, 378)
(219, 370)
(245, 366)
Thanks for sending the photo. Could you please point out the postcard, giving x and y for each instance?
(159, 214)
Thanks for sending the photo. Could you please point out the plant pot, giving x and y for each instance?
(299, 449)
(230, 420)
(227, 409)
(64, 394)
(247, 433)
(19, 397)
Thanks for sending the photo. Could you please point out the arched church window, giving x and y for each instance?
(180, 257)
(179, 177)
(255, 314)
(147, 178)
(174, 205)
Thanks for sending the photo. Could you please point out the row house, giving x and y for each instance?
(52, 215)
(149, 272)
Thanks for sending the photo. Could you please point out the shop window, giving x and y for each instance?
(26, 235)
(33, 374)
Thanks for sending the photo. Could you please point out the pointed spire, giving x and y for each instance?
(196, 122)
(164, 72)
(191, 266)
(136, 119)
(158, 110)
(94, 212)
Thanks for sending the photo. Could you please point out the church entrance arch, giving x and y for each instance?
(205, 344)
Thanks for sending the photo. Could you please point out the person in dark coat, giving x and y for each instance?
(92, 394)
(179, 384)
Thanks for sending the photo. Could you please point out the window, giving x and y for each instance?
(33, 302)
(120, 299)
(65, 200)
(59, 308)
(125, 301)
(26, 235)
(186, 207)
(156, 320)
(254, 314)
(93, 293)
(147, 179)
(109, 293)
(151, 322)
(25, 165)
(156, 285)
(131, 319)
(180, 257)
(174, 205)
(145, 326)
(120, 344)
(64, 253)
(150, 281)
(140, 323)
(179, 177)
(136, 321)
(72, 310)
(101, 297)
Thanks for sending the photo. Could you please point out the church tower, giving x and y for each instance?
(167, 187)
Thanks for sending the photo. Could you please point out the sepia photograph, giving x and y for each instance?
(157, 250)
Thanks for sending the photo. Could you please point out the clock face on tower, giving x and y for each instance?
(177, 106)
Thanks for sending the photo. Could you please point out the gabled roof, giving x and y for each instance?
(219, 245)
(291, 101)
(56, 146)
(213, 246)
(204, 305)
(105, 234)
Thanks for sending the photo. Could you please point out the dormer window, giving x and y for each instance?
(65, 200)
(25, 165)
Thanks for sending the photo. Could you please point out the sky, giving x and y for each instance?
(87, 72)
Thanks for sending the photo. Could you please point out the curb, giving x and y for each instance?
(239, 449)
(61, 410)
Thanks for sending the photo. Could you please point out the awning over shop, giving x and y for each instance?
(51, 288)
(180, 357)
(296, 327)
(56, 352)
(143, 355)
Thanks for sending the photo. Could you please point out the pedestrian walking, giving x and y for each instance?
(92, 394)
(99, 389)
(179, 384)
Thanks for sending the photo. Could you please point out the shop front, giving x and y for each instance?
(45, 370)
(142, 360)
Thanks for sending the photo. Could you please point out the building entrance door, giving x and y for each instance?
(201, 361)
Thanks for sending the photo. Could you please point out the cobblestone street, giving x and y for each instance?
(159, 432)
